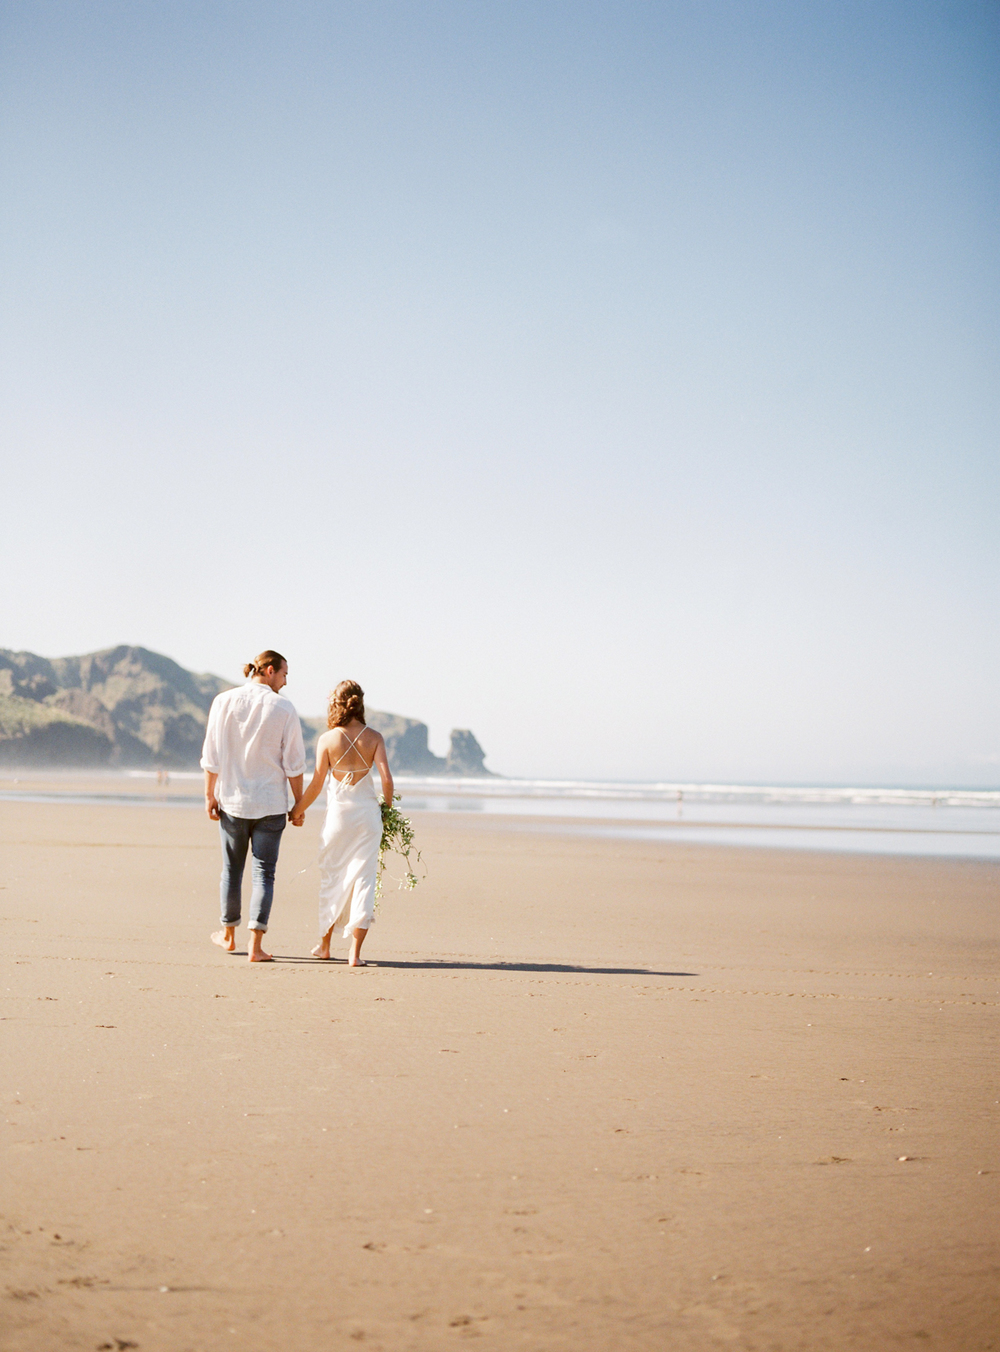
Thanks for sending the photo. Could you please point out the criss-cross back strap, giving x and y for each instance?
(353, 747)
(349, 775)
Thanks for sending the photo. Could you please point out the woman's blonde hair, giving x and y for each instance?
(260, 664)
(346, 703)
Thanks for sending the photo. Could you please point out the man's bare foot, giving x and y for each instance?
(322, 951)
(225, 938)
(255, 949)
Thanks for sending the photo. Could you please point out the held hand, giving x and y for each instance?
(296, 816)
(212, 807)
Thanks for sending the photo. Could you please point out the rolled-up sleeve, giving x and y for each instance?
(293, 750)
(210, 750)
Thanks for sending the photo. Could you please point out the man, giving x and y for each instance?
(253, 753)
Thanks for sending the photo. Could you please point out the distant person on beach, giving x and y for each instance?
(253, 753)
(352, 832)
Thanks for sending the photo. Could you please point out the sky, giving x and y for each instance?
(617, 380)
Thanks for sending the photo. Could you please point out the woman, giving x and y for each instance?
(348, 855)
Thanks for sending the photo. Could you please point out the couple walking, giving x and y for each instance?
(253, 755)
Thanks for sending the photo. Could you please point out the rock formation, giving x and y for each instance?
(406, 743)
(465, 756)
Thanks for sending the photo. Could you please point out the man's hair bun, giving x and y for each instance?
(260, 664)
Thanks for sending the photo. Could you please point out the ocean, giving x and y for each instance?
(941, 821)
(929, 821)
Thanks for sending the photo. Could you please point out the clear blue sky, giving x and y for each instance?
(617, 380)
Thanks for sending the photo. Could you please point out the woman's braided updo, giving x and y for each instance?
(346, 703)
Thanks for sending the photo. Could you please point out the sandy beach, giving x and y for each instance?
(590, 1094)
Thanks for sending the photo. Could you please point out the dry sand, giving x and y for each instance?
(594, 1094)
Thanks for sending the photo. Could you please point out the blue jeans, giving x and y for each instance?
(262, 835)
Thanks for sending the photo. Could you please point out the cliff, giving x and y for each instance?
(406, 743)
(129, 707)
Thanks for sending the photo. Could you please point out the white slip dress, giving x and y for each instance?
(348, 851)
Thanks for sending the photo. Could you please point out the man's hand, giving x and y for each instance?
(211, 802)
(297, 819)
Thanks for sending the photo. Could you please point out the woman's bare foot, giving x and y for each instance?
(357, 939)
(226, 938)
(322, 949)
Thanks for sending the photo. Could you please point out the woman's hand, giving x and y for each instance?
(385, 774)
(297, 815)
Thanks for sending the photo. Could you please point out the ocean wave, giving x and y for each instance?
(659, 792)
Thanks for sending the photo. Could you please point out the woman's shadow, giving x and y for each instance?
(464, 965)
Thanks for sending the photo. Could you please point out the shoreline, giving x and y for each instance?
(503, 784)
(921, 831)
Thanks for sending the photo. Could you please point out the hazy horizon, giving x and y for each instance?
(618, 381)
(439, 740)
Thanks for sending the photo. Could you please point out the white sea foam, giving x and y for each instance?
(941, 821)
(611, 790)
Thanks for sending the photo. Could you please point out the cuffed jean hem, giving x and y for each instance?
(260, 836)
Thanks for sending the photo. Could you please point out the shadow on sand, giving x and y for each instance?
(460, 965)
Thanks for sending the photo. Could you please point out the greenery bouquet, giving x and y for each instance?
(397, 835)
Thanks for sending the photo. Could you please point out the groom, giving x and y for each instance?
(253, 753)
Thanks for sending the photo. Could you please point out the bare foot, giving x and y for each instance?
(322, 951)
(255, 948)
(354, 957)
(225, 938)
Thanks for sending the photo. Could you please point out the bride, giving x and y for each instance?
(352, 832)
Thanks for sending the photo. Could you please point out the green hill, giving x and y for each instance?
(123, 706)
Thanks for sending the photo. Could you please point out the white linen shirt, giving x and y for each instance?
(253, 742)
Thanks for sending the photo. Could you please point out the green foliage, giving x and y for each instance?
(397, 835)
(19, 716)
(33, 733)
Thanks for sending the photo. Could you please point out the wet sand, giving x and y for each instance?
(589, 1095)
